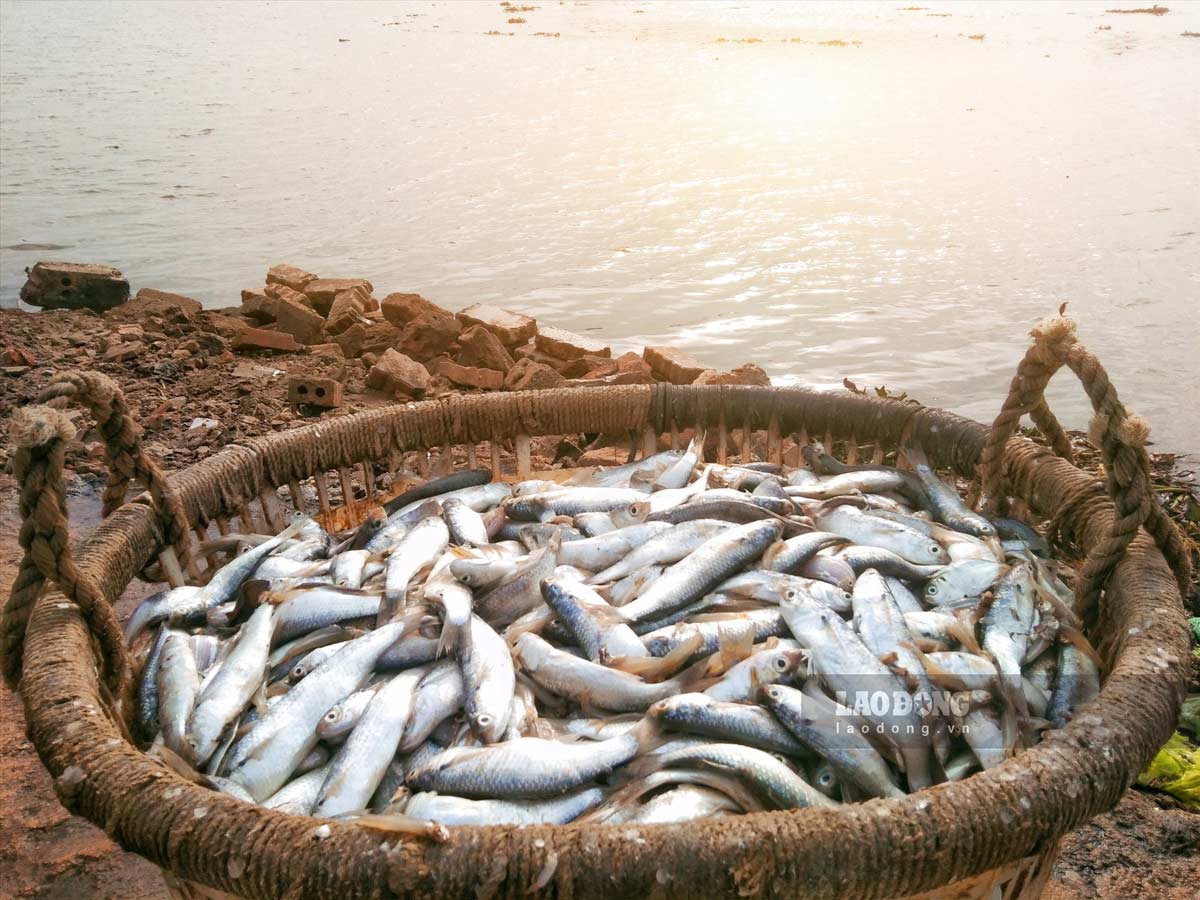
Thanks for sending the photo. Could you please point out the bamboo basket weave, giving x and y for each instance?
(993, 835)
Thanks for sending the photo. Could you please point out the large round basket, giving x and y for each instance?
(994, 834)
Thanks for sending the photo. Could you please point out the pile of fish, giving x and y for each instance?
(655, 642)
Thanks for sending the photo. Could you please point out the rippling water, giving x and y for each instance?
(897, 211)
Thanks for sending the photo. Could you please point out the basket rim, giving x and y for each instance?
(878, 848)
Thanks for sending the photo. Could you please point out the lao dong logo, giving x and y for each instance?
(899, 712)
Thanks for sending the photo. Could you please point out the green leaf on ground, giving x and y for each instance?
(1175, 771)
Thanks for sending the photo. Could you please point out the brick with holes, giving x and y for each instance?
(324, 392)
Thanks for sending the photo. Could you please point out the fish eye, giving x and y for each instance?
(781, 663)
(825, 778)
(331, 716)
(791, 594)
(931, 589)
(773, 693)
(935, 549)
(483, 721)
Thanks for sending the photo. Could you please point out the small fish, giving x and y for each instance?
(526, 767)
(488, 680)
(222, 699)
(178, 684)
(466, 526)
(654, 643)
(461, 811)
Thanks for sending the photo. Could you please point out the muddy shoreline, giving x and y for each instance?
(195, 385)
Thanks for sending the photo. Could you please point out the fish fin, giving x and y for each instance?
(735, 644)
(590, 711)
(447, 638)
(649, 734)
(1082, 644)
(659, 668)
(944, 677)
(399, 823)
(260, 696)
(582, 476)
(529, 622)
(1008, 728)
(929, 645)
(698, 676)
(1065, 613)
(963, 631)
(460, 552)
(176, 763)
(389, 607)
(292, 529)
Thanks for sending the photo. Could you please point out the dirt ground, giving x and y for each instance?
(45, 852)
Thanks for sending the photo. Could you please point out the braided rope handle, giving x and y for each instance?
(1120, 436)
(125, 458)
(40, 434)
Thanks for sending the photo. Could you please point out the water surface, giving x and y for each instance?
(897, 208)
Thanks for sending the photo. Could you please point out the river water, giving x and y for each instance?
(898, 207)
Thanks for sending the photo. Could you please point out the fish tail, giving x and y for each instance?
(964, 632)
(659, 668)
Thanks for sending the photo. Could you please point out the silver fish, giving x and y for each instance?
(587, 683)
(178, 686)
(773, 781)
(743, 723)
(599, 629)
(876, 532)
(667, 546)
(526, 767)
(417, 549)
(262, 760)
(703, 569)
(489, 680)
(465, 525)
(461, 811)
(230, 690)
(439, 696)
(817, 723)
(360, 764)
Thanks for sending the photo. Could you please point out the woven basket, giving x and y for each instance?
(994, 834)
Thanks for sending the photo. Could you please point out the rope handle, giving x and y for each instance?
(1121, 437)
(40, 434)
